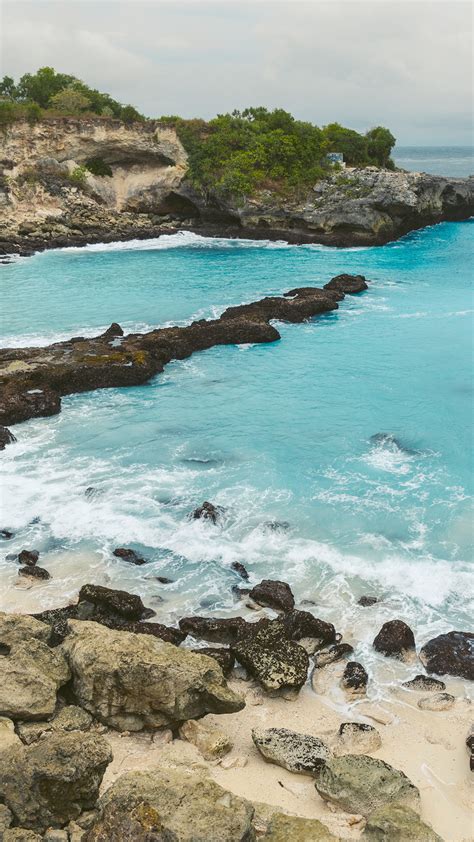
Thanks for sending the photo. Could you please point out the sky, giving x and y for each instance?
(404, 64)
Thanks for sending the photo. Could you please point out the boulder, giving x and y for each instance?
(436, 702)
(395, 639)
(8, 737)
(6, 819)
(283, 828)
(396, 823)
(216, 630)
(361, 784)
(450, 654)
(274, 594)
(210, 741)
(69, 718)
(240, 569)
(128, 555)
(128, 605)
(56, 619)
(112, 332)
(28, 556)
(332, 654)
(21, 834)
(224, 657)
(470, 745)
(6, 534)
(347, 284)
(301, 753)
(423, 683)
(6, 437)
(51, 782)
(367, 601)
(131, 682)
(356, 738)
(207, 512)
(139, 824)
(188, 804)
(17, 628)
(34, 572)
(302, 624)
(272, 659)
(354, 678)
(30, 676)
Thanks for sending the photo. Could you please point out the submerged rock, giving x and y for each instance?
(395, 639)
(283, 828)
(357, 738)
(361, 784)
(53, 781)
(396, 823)
(450, 654)
(367, 601)
(436, 702)
(6, 437)
(128, 555)
(301, 753)
(354, 678)
(240, 569)
(131, 682)
(187, 805)
(274, 594)
(207, 512)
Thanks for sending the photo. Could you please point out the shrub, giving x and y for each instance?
(69, 101)
(97, 166)
(78, 176)
(7, 113)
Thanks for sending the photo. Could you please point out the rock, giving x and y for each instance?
(347, 283)
(367, 601)
(423, 683)
(55, 835)
(301, 753)
(75, 832)
(224, 657)
(56, 619)
(470, 745)
(125, 604)
(234, 762)
(438, 701)
(333, 653)
(163, 580)
(131, 682)
(112, 332)
(274, 594)
(6, 819)
(395, 639)
(272, 659)
(29, 557)
(6, 437)
(357, 738)
(8, 738)
(17, 628)
(361, 784)
(69, 718)
(19, 403)
(20, 834)
(210, 741)
(6, 534)
(189, 805)
(34, 572)
(354, 678)
(29, 679)
(140, 824)
(303, 624)
(206, 512)
(450, 654)
(396, 823)
(283, 828)
(51, 782)
(128, 555)
(240, 569)
(216, 630)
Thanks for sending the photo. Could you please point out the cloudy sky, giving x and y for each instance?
(404, 64)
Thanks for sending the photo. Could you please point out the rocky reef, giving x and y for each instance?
(49, 198)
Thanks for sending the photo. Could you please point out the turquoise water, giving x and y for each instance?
(457, 161)
(275, 433)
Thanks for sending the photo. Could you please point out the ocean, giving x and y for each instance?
(340, 455)
(457, 161)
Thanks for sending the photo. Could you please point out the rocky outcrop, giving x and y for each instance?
(274, 594)
(6, 437)
(283, 828)
(32, 380)
(450, 654)
(396, 823)
(134, 682)
(275, 661)
(186, 805)
(395, 639)
(300, 753)
(361, 784)
(51, 782)
(69, 718)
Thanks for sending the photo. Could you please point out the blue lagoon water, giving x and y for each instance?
(340, 455)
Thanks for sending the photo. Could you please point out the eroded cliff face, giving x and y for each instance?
(47, 200)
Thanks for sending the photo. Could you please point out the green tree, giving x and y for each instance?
(69, 101)
(129, 114)
(43, 85)
(8, 87)
(380, 142)
(352, 144)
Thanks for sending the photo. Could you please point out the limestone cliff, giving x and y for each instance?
(48, 197)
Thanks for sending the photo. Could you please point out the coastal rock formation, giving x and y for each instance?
(28, 556)
(450, 654)
(128, 555)
(132, 682)
(224, 657)
(6, 437)
(274, 594)
(395, 640)
(283, 828)
(270, 657)
(186, 805)
(354, 678)
(127, 605)
(361, 784)
(52, 781)
(207, 512)
(69, 718)
(396, 823)
(300, 753)
(214, 629)
(357, 738)
(30, 675)
(34, 572)
(17, 628)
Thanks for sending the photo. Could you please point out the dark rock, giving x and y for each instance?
(347, 284)
(395, 639)
(163, 580)
(57, 618)
(20, 402)
(355, 677)
(125, 604)
(240, 592)
(34, 571)
(450, 654)
(268, 655)
(470, 745)
(6, 437)
(224, 657)
(367, 601)
(274, 594)
(112, 332)
(298, 308)
(299, 624)
(6, 534)
(128, 555)
(301, 753)
(167, 633)
(332, 654)
(216, 630)
(29, 557)
(240, 569)
(423, 683)
(206, 512)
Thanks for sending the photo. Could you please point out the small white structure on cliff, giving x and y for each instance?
(336, 158)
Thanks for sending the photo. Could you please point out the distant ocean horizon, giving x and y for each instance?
(439, 160)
